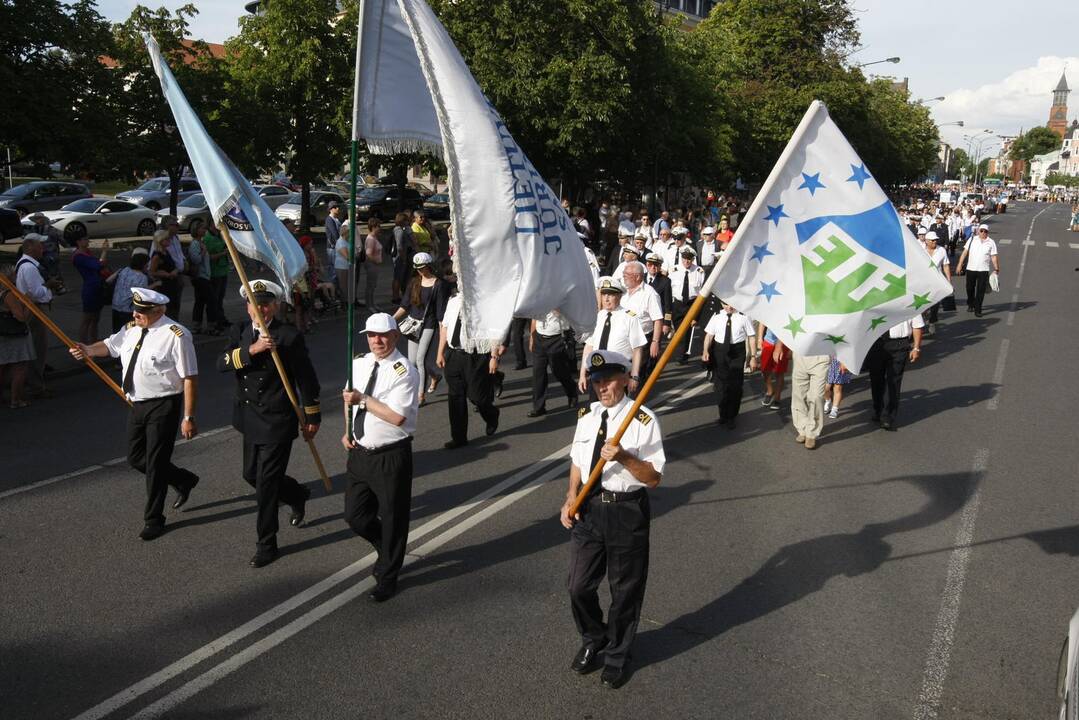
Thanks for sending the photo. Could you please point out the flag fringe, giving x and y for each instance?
(395, 145)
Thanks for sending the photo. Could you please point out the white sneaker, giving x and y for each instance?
(827, 405)
(834, 413)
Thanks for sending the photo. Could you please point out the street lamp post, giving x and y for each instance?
(892, 60)
(919, 101)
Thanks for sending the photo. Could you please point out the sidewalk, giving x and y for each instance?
(66, 309)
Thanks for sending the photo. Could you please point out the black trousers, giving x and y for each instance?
(265, 469)
(518, 331)
(219, 285)
(151, 437)
(977, 282)
(611, 539)
(728, 378)
(886, 361)
(205, 302)
(555, 351)
(467, 379)
(378, 501)
(679, 310)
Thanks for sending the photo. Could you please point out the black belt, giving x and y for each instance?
(158, 399)
(385, 448)
(467, 352)
(610, 496)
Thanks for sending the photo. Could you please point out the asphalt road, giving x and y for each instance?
(924, 573)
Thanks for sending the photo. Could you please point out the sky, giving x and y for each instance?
(995, 62)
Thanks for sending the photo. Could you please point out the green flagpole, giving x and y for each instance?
(352, 219)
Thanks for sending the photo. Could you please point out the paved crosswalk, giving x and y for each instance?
(1033, 243)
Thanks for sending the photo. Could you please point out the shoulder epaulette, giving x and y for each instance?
(399, 368)
(130, 324)
(582, 412)
(177, 330)
(643, 417)
(631, 313)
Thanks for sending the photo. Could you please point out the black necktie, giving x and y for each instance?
(727, 335)
(455, 339)
(606, 334)
(129, 374)
(685, 287)
(361, 415)
(601, 437)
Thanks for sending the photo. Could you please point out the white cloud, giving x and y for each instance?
(1019, 101)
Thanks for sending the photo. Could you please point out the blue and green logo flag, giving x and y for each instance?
(822, 257)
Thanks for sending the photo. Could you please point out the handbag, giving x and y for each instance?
(10, 326)
(412, 328)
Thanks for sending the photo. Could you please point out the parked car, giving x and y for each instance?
(10, 226)
(274, 195)
(1068, 673)
(42, 195)
(101, 217)
(155, 193)
(385, 201)
(192, 214)
(320, 201)
(437, 207)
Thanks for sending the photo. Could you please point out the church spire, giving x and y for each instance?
(1062, 86)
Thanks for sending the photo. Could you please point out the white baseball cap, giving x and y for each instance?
(931, 236)
(380, 323)
(420, 259)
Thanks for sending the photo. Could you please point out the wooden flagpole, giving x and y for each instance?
(276, 358)
(47, 322)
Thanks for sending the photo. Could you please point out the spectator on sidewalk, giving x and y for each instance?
(30, 281)
(333, 234)
(165, 271)
(423, 234)
(134, 275)
(372, 263)
(219, 270)
(93, 271)
(205, 303)
(16, 348)
(52, 239)
(403, 250)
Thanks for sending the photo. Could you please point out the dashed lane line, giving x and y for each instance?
(680, 392)
(1051, 244)
(998, 374)
(1004, 241)
(1074, 246)
(940, 648)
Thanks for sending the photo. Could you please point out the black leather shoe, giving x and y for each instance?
(263, 558)
(732, 424)
(613, 678)
(299, 510)
(876, 419)
(382, 593)
(499, 379)
(454, 444)
(152, 532)
(573, 402)
(585, 661)
(492, 427)
(182, 495)
(537, 413)
(887, 424)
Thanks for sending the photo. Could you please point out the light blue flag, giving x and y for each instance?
(822, 257)
(255, 230)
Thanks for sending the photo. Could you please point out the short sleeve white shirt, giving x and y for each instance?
(29, 282)
(644, 301)
(398, 387)
(626, 334)
(167, 357)
(906, 329)
(642, 438)
(741, 327)
(696, 280)
(978, 253)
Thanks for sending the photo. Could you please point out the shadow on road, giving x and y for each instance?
(801, 569)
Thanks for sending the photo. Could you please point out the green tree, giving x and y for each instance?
(290, 87)
(149, 140)
(1036, 141)
(1054, 179)
(61, 97)
(960, 165)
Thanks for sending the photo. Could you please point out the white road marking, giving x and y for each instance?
(1050, 243)
(940, 648)
(128, 695)
(1074, 246)
(1005, 241)
(998, 374)
(1015, 306)
(1026, 244)
(101, 466)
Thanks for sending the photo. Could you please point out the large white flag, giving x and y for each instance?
(517, 251)
(822, 257)
(255, 230)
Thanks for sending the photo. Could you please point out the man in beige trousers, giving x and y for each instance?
(807, 397)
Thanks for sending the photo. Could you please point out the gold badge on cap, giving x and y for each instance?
(259, 286)
(137, 296)
(597, 360)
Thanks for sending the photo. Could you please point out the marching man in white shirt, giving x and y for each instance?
(725, 342)
(687, 278)
(378, 498)
(609, 536)
(886, 361)
(160, 379)
(617, 329)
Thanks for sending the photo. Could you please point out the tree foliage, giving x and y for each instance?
(1036, 141)
(1053, 179)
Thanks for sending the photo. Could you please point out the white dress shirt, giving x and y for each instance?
(449, 319)
(709, 253)
(552, 325)
(940, 258)
(176, 252)
(398, 387)
(642, 439)
(741, 327)
(671, 254)
(978, 253)
(645, 302)
(906, 329)
(696, 281)
(593, 265)
(29, 281)
(626, 334)
(167, 357)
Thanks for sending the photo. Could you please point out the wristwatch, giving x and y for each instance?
(362, 404)
(635, 377)
(189, 418)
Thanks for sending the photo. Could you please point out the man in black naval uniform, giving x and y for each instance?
(263, 413)
(610, 533)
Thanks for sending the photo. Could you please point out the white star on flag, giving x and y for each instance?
(822, 257)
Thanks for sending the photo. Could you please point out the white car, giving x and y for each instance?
(1068, 673)
(102, 217)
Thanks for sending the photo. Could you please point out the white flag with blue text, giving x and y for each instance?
(255, 230)
(518, 254)
(822, 257)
